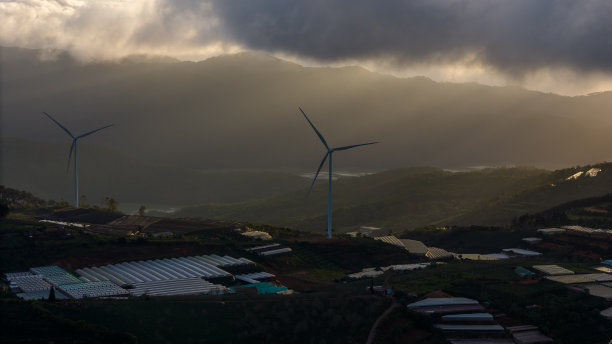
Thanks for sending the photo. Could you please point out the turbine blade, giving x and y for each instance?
(58, 123)
(319, 170)
(352, 146)
(93, 131)
(313, 127)
(70, 155)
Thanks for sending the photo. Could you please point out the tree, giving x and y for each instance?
(4, 210)
(51, 295)
(83, 200)
(142, 210)
(111, 204)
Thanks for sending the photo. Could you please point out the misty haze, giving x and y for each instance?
(306, 172)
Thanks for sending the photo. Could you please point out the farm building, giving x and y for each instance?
(130, 273)
(497, 256)
(37, 283)
(414, 247)
(532, 240)
(551, 231)
(523, 272)
(435, 253)
(602, 268)
(603, 290)
(581, 278)
(474, 256)
(406, 267)
(186, 286)
(391, 240)
(469, 328)
(29, 286)
(552, 270)
(366, 273)
(446, 305)
(608, 262)
(270, 250)
(370, 231)
(157, 277)
(589, 232)
(264, 288)
(522, 252)
(443, 301)
(606, 313)
(255, 277)
(257, 235)
(528, 334)
(469, 317)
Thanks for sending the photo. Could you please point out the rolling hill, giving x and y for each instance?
(407, 198)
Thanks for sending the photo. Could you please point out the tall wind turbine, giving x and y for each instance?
(73, 148)
(329, 154)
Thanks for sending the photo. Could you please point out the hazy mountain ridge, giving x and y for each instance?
(409, 198)
(40, 167)
(240, 111)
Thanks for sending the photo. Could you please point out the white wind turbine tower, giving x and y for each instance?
(73, 148)
(329, 154)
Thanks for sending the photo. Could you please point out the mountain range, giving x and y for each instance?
(226, 130)
(240, 111)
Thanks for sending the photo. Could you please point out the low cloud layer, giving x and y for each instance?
(513, 36)
(107, 29)
(511, 40)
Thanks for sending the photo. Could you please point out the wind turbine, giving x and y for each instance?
(73, 148)
(329, 154)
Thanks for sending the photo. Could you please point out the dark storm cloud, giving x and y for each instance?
(513, 36)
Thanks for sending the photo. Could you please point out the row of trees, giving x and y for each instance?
(13, 199)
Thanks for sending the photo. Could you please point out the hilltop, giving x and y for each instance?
(409, 198)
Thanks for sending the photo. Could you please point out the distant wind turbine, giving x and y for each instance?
(73, 148)
(329, 153)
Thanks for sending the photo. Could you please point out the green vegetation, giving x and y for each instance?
(473, 239)
(329, 307)
(561, 313)
(270, 319)
(564, 314)
(403, 199)
(592, 212)
(403, 325)
(34, 322)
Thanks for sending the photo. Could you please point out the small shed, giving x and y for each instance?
(607, 262)
(497, 256)
(532, 240)
(551, 231)
(522, 252)
(523, 272)
(606, 313)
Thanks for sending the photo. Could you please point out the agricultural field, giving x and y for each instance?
(338, 309)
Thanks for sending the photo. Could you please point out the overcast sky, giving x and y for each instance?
(560, 46)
